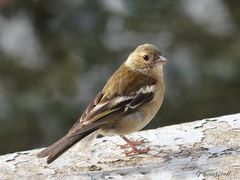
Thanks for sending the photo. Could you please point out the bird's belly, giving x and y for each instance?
(132, 122)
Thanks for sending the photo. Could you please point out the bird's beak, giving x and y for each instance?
(162, 60)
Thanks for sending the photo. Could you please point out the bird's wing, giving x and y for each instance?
(125, 91)
(98, 113)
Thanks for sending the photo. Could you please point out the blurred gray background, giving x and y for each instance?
(56, 55)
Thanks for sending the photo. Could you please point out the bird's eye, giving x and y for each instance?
(146, 57)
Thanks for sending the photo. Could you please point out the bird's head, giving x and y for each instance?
(146, 58)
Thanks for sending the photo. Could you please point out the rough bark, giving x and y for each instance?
(208, 148)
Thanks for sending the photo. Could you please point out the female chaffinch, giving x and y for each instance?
(128, 102)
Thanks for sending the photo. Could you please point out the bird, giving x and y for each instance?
(129, 100)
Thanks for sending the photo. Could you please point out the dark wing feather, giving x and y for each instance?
(92, 104)
(141, 99)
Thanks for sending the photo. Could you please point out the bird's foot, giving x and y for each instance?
(133, 143)
(136, 151)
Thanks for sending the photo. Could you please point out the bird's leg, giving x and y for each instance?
(133, 145)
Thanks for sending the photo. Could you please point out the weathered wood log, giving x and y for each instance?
(208, 148)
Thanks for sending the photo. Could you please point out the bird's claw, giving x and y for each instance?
(136, 151)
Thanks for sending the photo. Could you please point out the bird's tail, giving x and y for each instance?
(58, 148)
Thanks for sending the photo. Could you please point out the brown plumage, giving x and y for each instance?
(128, 101)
